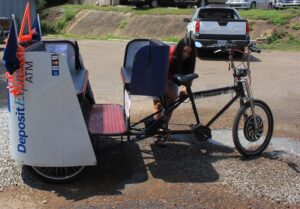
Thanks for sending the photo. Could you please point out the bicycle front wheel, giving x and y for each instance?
(249, 140)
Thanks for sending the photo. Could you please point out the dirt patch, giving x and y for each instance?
(154, 26)
(294, 27)
(107, 23)
(261, 28)
(95, 23)
(53, 14)
(99, 23)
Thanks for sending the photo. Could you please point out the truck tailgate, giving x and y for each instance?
(224, 29)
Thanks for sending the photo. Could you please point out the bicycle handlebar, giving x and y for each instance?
(227, 46)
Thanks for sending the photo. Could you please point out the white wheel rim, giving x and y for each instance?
(58, 173)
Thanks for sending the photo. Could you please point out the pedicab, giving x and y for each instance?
(55, 123)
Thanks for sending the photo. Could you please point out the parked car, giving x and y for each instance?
(278, 4)
(213, 25)
(4, 28)
(250, 4)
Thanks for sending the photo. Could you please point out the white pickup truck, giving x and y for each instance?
(214, 25)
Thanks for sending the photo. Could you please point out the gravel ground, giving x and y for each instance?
(10, 171)
(274, 176)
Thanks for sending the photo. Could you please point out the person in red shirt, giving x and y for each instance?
(182, 60)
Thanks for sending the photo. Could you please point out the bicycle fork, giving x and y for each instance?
(250, 98)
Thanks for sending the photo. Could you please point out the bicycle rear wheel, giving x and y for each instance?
(58, 174)
(249, 141)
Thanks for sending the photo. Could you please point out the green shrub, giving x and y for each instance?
(122, 24)
(60, 23)
(40, 5)
(70, 13)
(296, 27)
(275, 37)
(277, 17)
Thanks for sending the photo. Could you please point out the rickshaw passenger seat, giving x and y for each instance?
(107, 119)
(145, 67)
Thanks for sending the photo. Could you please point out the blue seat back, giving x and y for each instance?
(146, 64)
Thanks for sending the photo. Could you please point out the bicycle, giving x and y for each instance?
(80, 123)
(253, 124)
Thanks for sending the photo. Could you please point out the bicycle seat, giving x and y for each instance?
(185, 80)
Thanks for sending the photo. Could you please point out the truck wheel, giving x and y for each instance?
(253, 5)
(153, 4)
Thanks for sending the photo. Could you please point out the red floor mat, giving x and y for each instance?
(107, 119)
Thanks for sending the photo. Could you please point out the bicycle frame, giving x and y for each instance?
(167, 109)
(241, 89)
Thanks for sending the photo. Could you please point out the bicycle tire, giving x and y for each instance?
(247, 125)
(58, 174)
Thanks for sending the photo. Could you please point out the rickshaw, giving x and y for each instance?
(56, 125)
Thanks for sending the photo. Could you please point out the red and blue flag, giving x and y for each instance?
(36, 31)
(10, 54)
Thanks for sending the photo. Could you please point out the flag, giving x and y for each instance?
(10, 54)
(36, 31)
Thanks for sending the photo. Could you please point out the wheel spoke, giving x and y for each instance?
(251, 140)
(58, 173)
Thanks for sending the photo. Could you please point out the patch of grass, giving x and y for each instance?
(60, 23)
(172, 39)
(275, 37)
(133, 10)
(277, 41)
(122, 24)
(277, 17)
(295, 26)
(40, 5)
(69, 14)
(105, 37)
(81, 37)
(286, 45)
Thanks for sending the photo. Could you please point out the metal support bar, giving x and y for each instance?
(190, 93)
(223, 110)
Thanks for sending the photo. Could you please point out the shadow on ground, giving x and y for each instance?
(116, 168)
(177, 162)
(187, 163)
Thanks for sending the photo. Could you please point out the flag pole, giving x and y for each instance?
(15, 24)
(39, 23)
